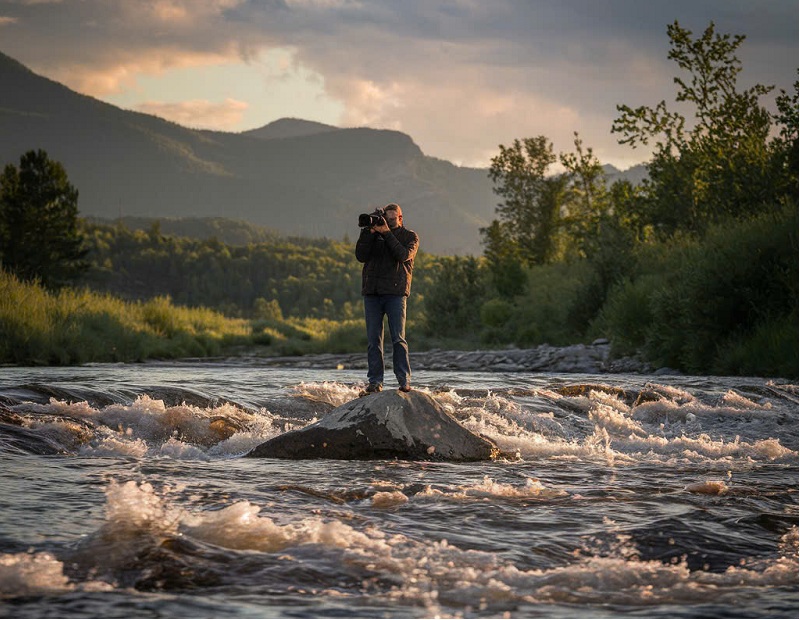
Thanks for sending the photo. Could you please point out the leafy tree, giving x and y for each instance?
(720, 162)
(630, 210)
(504, 260)
(39, 234)
(587, 197)
(785, 152)
(529, 214)
(452, 306)
(267, 310)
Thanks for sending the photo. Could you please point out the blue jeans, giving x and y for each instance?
(394, 308)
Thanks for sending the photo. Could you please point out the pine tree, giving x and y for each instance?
(39, 234)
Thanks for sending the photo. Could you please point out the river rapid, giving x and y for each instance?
(125, 494)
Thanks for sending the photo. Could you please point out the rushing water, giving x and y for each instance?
(124, 494)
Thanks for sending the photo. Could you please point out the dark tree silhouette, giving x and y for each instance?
(39, 234)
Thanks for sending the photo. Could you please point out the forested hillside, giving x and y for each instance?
(295, 277)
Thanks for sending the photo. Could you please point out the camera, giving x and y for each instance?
(368, 220)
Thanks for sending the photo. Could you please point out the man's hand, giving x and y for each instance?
(382, 229)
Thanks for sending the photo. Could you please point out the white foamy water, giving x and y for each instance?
(125, 489)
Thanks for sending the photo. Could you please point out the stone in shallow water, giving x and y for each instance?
(386, 425)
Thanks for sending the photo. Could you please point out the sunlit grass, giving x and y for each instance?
(301, 336)
(76, 326)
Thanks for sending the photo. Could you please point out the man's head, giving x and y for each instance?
(393, 215)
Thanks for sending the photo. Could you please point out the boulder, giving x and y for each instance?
(386, 425)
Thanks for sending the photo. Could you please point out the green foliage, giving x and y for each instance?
(345, 337)
(283, 277)
(769, 350)
(586, 201)
(742, 275)
(611, 257)
(679, 267)
(543, 312)
(262, 280)
(529, 214)
(496, 312)
(721, 162)
(784, 147)
(39, 235)
(504, 260)
(626, 316)
(74, 327)
(267, 310)
(707, 306)
(452, 306)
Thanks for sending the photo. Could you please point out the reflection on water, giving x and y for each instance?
(125, 495)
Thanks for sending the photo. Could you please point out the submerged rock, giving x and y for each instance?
(385, 425)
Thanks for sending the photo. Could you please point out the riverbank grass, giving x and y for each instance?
(38, 326)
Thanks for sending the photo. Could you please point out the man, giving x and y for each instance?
(387, 251)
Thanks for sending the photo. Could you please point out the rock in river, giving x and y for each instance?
(385, 425)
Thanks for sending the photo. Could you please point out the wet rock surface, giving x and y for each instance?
(386, 425)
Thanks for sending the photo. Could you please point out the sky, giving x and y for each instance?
(460, 77)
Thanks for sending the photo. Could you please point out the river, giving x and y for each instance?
(125, 494)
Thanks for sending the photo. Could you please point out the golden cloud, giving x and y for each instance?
(118, 72)
(198, 113)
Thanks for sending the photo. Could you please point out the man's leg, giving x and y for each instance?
(395, 307)
(373, 313)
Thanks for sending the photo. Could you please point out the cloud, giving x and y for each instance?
(100, 46)
(120, 69)
(461, 100)
(460, 76)
(198, 114)
(7, 20)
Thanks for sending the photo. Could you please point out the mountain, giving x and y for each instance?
(295, 177)
(289, 128)
(635, 174)
(292, 176)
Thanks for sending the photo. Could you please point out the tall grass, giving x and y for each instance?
(302, 336)
(73, 327)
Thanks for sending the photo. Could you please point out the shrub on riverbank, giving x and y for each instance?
(725, 304)
(721, 303)
(73, 327)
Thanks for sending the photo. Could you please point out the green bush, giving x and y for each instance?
(742, 274)
(542, 312)
(723, 303)
(626, 317)
(459, 289)
(769, 350)
(496, 312)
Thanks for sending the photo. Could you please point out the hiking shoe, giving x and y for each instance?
(405, 388)
(374, 387)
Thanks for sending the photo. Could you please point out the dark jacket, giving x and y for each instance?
(388, 261)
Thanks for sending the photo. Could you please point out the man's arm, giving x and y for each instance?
(402, 252)
(364, 245)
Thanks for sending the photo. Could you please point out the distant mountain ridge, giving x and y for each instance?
(289, 128)
(292, 176)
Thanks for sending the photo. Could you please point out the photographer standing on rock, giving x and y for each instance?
(387, 250)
